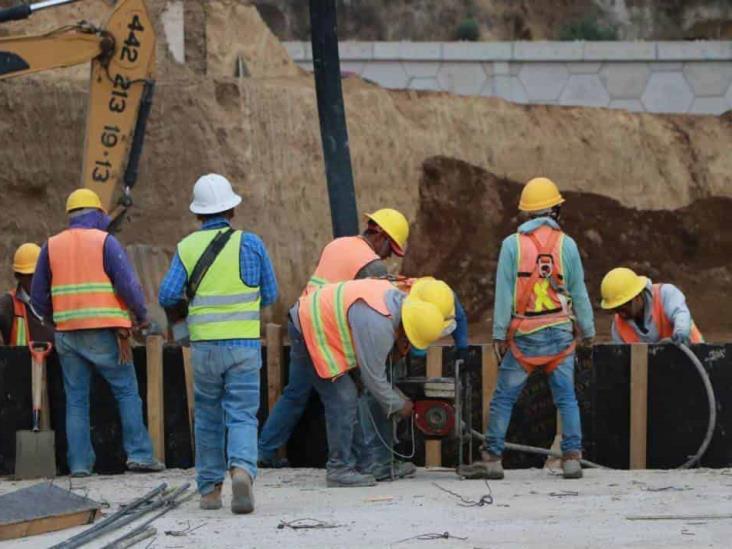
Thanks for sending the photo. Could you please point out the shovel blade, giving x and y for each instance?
(35, 454)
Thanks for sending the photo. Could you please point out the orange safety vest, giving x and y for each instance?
(323, 316)
(19, 330)
(540, 300)
(82, 294)
(664, 327)
(341, 260)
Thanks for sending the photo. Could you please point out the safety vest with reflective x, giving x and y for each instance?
(223, 307)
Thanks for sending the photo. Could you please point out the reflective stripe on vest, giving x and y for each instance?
(664, 327)
(19, 329)
(341, 260)
(82, 294)
(538, 300)
(323, 316)
(223, 307)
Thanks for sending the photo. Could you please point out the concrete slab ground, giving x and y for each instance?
(531, 508)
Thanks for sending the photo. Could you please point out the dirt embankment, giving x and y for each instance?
(466, 211)
(262, 132)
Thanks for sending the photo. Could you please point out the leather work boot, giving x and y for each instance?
(401, 469)
(348, 479)
(212, 500)
(274, 462)
(571, 466)
(489, 467)
(242, 494)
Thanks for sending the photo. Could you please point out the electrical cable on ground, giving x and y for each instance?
(306, 524)
(487, 499)
(431, 536)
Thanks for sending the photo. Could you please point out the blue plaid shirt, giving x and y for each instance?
(255, 267)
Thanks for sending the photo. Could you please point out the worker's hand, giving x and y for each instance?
(140, 328)
(586, 342)
(407, 408)
(500, 348)
(680, 338)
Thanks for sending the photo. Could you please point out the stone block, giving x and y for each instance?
(584, 90)
(510, 88)
(487, 89)
(421, 69)
(666, 66)
(296, 50)
(667, 92)
(386, 50)
(476, 51)
(421, 51)
(462, 78)
(389, 75)
(547, 51)
(709, 105)
(428, 84)
(543, 81)
(708, 78)
(584, 67)
(501, 68)
(695, 51)
(619, 51)
(625, 80)
(356, 51)
(355, 67)
(633, 105)
(728, 97)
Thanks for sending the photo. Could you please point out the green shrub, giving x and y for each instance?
(589, 29)
(468, 29)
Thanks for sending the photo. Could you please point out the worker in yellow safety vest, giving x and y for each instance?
(644, 312)
(345, 258)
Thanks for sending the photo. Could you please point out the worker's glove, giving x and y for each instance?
(500, 348)
(680, 338)
(406, 410)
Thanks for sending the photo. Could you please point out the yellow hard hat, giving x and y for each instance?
(436, 292)
(395, 225)
(83, 198)
(423, 323)
(539, 194)
(620, 286)
(26, 257)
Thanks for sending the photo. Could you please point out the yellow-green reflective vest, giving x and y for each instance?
(223, 307)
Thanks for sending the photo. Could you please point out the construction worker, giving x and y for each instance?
(540, 289)
(85, 282)
(345, 258)
(224, 324)
(19, 323)
(359, 324)
(645, 312)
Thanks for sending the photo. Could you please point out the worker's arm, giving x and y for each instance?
(41, 285)
(256, 268)
(505, 284)
(375, 269)
(674, 305)
(574, 279)
(614, 332)
(173, 284)
(373, 339)
(124, 279)
(6, 318)
(460, 334)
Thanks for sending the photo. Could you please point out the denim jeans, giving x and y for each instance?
(289, 408)
(512, 378)
(226, 400)
(372, 426)
(79, 351)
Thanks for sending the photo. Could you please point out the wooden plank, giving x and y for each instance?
(155, 411)
(48, 524)
(638, 405)
(433, 448)
(188, 372)
(273, 335)
(489, 378)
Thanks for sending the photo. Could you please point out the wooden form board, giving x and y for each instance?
(155, 407)
(638, 405)
(489, 378)
(188, 372)
(433, 448)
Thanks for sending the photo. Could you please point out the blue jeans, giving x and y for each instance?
(289, 408)
(80, 351)
(370, 452)
(226, 400)
(512, 378)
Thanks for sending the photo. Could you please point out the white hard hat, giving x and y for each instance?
(212, 194)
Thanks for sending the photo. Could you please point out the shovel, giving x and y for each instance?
(35, 450)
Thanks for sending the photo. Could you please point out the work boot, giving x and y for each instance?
(348, 479)
(212, 500)
(401, 469)
(571, 466)
(273, 462)
(489, 467)
(153, 466)
(242, 494)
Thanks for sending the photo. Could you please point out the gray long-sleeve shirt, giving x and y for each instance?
(373, 339)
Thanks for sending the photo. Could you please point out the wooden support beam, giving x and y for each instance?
(155, 407)
(489, 378)
(188, 372)
(638, 405)
(433, 448)
(273, 338)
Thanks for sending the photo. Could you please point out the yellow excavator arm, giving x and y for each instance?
(122, 56)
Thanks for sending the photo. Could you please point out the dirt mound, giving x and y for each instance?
(466, 211)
